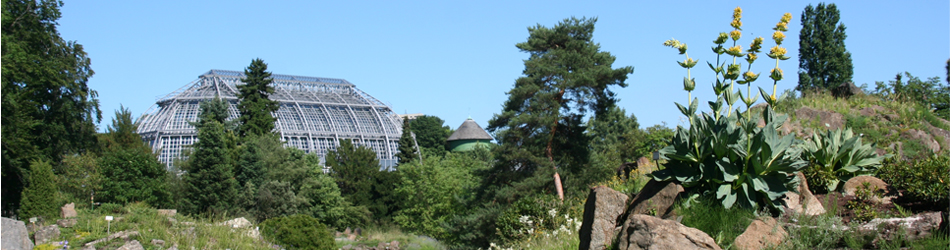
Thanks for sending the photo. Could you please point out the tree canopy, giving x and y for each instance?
(566, 76)
(824, 63)
(48, 109)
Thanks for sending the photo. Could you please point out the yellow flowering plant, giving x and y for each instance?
(731, 156)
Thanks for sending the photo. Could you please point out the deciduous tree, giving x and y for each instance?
(48, 109)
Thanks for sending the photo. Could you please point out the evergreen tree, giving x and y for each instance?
(407, 145)
(255, 105)
(48, 109)
(121, 134)
(209, 182)
(824, 62)
(540, 125)
(39, 196)
(131, 175)
(358, 175)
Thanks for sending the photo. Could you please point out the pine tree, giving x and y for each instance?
(210, 186)
(540, 125)
(407, 146)
(255, 105)
(39, 196)
(824, 62)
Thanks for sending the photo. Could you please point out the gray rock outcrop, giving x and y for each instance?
(131, 245)
(602, 213)
(68, 211)
(14, 235)
(649, 232)
(46, 234)
(656, 198)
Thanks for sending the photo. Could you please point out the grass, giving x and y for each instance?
(387, 233)
(709, 216)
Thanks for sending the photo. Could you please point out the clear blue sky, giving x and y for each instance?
(456, 59)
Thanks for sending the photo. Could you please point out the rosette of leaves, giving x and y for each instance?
(731, 156)
(838, 155)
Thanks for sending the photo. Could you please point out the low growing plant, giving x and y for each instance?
(726, 153)
(927, 180)
(836, 156)
(298, 231)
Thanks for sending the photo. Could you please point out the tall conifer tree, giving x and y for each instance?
(255, 104)
(210, 186)
(540, 125)
(407, 146)
(824, 63)
(39, 197)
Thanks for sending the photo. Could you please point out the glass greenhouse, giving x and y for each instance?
(314, 114)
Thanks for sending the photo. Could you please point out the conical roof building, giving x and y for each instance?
(468, 136)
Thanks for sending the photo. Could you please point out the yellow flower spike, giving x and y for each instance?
(735, 50)
(735, 34)
(722, 38)
(777, 52)
(748, 75)
(751, 57)
(736, 18)
(787, 17)
(776, 74)
(778, 36)
(756, 45)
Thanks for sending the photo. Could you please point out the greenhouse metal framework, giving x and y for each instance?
(314, 114)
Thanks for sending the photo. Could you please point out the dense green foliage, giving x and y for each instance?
(824, 62)
(925, 180)
(131, 175)
(255, 106)
(722, 224)
(835, 157)
(929, 93)
(210, 187)
(78, 178)
(432, 193)
(48, 109)
(540, 128)
(611, 132)
(407, 145)
(298, 232)
(431, 133)
(361, 181)
(39, 197)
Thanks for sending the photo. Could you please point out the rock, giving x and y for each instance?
(381, 245)
(394, 245)
(168, 212)
(67, 223)
(644, 166)
(348, 231)
(238, 223)
(602, 213)
(648, 232)
(68, 211)
(656, 198)
(174, 247)
(131, 245)
(923, 138)
(189, 232)
(852, 185)
(358, 231)
(761, 234)
(846, 90)
(801, 200)
(46, 234)
(90, 247)
(351, 237)
(830, 120)
(940, 133)
(158, 242)
(871, 111)
(124, 235)
(14, 235)
(914, 227)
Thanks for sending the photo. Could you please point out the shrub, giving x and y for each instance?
(836, 156)
(927, 180)
(298, 232)
(39, 197)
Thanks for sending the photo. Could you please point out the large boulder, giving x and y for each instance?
(68, 211)
(238, 223)
(801, 200)
(602, 213)
(761, 234)
(46, 234)
(14, 235)
(656, 198)
(922, 137)
(847, 90)
(831, 120)
(648, 232)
